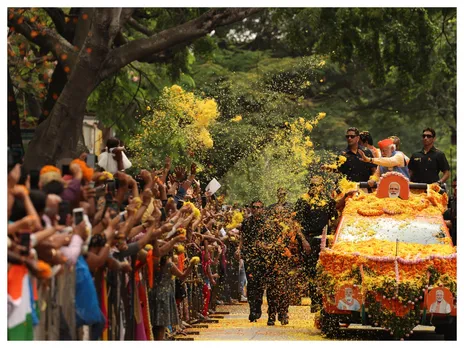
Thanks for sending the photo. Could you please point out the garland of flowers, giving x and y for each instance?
(393, 287)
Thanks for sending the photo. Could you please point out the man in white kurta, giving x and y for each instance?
(349, 303)
(440, 305)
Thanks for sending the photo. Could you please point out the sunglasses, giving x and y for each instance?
(350, 136)
(256, 207)
(427, 136)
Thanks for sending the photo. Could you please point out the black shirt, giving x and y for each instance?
(251, 233)
(313, 218)
(354, 168)
(450, 214)
(425, 167)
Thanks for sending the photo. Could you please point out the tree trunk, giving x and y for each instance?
(58, 136)
(59, 80)
(14, 123)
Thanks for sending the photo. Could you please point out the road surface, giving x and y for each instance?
(235, 326)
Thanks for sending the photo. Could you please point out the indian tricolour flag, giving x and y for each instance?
(19, 304)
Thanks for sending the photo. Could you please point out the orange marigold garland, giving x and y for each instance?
(87, 172)
(394, 274)
(44, 269)
(392, 209)
(366, 211)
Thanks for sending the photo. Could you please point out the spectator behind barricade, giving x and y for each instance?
(164, 313)
(365, 140)
(113, 158)
(354, 169)
(425, 165)
(115, 239)
(391, 161)
(397, 143)
(51, 182)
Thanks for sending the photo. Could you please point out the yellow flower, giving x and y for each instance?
(195, 260)
(321, 115)
(148, 108)
(341, 160)
(205, 138)
(308, 126)
(176, 88)
(237, 118)
(195, 210)
(179, 249)
(237, 218)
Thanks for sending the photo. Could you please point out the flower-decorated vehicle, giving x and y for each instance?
(392, 263)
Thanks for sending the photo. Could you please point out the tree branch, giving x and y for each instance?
(57, 15)
(191, 30)
(139, 27)
(82, 26)
(46, 38)
(42, 59)
(161, 57)
(126, 15)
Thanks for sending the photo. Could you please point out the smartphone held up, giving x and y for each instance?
(78, 215)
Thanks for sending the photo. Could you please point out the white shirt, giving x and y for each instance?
(349, 306)
(440, 307)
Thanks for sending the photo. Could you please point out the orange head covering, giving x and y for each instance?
(87, 172)
(385, 142)
(47, 169)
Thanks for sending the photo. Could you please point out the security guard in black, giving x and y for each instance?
(354, 168)
(425, 166)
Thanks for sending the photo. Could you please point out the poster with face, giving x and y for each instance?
(440, 301)
(393, 185)
(394, 190)
(348, 299)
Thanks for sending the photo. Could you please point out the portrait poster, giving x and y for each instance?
(348, 298)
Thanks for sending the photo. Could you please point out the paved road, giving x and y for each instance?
(236, 327)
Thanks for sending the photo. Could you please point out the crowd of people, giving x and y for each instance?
(92, 254)
(97, 254)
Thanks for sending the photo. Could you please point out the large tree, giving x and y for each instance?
(90, 52)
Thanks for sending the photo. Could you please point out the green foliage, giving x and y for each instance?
(391, 71)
